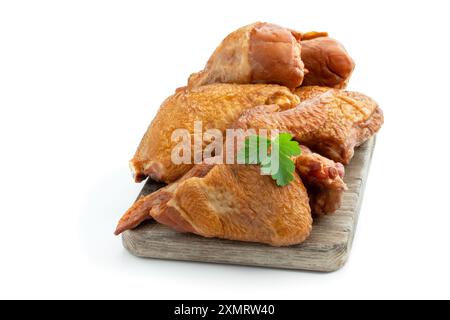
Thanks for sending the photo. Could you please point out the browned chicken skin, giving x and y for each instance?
(331, 123)
(211, 200)
(327, 62)
(238, 89)
(230, 202)
(257, 53)
(309, 92)
(267, 53)
(323, 179)
(216, 105)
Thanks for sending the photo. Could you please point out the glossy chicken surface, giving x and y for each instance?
(323, 179)
(217, 106)
(257, 53)
(327, 62)
(236, 202)
(267, 53)
(230, 202)
(332, 122)
(262, 76)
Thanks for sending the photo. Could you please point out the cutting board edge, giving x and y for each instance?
(337, 255)
(331, 259)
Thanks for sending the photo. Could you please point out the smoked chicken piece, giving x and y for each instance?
(309, 92)
(323, 179)
(216, 105)
(332, 123)
(326, 61)
(257, 53)
(232, 202)
(311, 35)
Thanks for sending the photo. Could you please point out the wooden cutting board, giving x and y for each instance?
(326, 250)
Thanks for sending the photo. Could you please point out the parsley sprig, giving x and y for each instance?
(274, 156)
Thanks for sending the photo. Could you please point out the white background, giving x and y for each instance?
(81, 80)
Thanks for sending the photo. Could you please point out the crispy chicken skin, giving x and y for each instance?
(323, 179)
(321, 176)
(257, 53)
(230, 202)
(262, 76)
(331, 123)
(309, 92)
(326, 61)
(216, 105)
(224, 201)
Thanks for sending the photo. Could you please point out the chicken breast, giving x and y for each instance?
(217, 106)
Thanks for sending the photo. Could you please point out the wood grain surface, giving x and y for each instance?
(326, 250)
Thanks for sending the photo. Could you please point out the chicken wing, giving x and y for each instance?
(323, 179)
(216, 105)
(257, 53)
(332, 123)
(230, 202)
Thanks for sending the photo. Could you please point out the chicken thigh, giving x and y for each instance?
(323, 179)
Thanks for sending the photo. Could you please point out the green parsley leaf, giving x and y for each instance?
(275, 160)
(252, 153)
